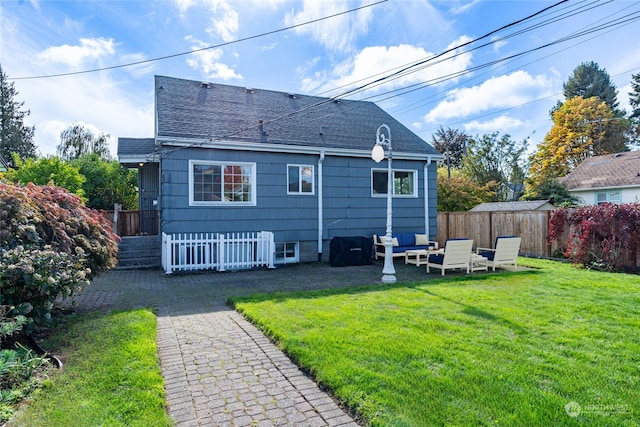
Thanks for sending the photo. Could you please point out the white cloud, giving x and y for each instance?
(460, 8)
(75, 56)
(208, 61)
(505, 91)
(498, 43)
(224, 21)
(501, 124)
(375, 62)
(338, 33)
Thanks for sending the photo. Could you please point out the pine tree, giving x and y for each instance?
(588, 80)
(15, 137)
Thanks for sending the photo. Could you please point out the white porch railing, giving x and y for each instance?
(213, 251)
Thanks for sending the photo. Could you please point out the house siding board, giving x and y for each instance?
(348, 207)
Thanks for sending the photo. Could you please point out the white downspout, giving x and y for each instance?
(426, 198)
(320, 217)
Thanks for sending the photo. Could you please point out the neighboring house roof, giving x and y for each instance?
(608, 171)
(211, 113)
(136, 150)
(529, 205)
(4, 166)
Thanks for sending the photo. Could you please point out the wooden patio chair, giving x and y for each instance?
(457, 254)
(505, 253)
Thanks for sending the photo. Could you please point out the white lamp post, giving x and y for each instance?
(377, 154)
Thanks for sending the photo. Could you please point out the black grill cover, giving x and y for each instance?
(350, 251)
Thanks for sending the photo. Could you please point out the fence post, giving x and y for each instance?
(221, 254)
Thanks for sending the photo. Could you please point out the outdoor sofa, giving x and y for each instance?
(403, 242)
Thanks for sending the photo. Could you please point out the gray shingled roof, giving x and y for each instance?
(608, 171)
(193, 110)
(529, 205)
(136, 146)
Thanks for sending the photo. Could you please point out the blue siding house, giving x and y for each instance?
(238, 159)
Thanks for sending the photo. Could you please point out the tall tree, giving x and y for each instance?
(15, 136)
(634, 117)
(581, 128)
(452, 143)
(495, 158)
(77, 141)
(588, 80)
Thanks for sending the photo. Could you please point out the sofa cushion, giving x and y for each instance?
(421, 239)
(406, 239)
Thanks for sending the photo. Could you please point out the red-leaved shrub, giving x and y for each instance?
(600, 236)
(51, 245)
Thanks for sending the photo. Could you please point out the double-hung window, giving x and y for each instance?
(222, 183)
(300, 179)
(405, 183)
(608, 197)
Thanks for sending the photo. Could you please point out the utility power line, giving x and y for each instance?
(146, 61)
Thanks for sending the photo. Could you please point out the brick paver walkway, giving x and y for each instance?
(218, 368)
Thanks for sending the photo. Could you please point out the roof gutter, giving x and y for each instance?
(284, 148)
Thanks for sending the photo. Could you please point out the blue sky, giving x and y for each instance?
(472, 88)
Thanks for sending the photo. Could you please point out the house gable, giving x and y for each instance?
(218, 115)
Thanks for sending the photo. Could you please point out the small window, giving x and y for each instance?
(608, 197)
(287, 252)
(300, 179)
(614, 197)
(219, 183)
(404, 183)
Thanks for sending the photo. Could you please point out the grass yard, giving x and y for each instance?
(555, 346)
(111, 375)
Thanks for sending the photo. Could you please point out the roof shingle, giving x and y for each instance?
(608, 171)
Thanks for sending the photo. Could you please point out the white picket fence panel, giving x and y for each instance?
(214, 251)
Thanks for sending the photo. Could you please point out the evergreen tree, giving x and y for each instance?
(15, 137)
(588, 80)
(634, 117)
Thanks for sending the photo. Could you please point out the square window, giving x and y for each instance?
(404, 182)
(300, 179)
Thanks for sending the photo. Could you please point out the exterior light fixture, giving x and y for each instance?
(377, 154)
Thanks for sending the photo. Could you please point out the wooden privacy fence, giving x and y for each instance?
(484, 227)
(213, 251)
(134, 223)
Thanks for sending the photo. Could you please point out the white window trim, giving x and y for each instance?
(193, 202)
(313, 180)
(408, 196)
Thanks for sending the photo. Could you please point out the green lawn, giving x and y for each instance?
(508, 349)
(111, 375)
